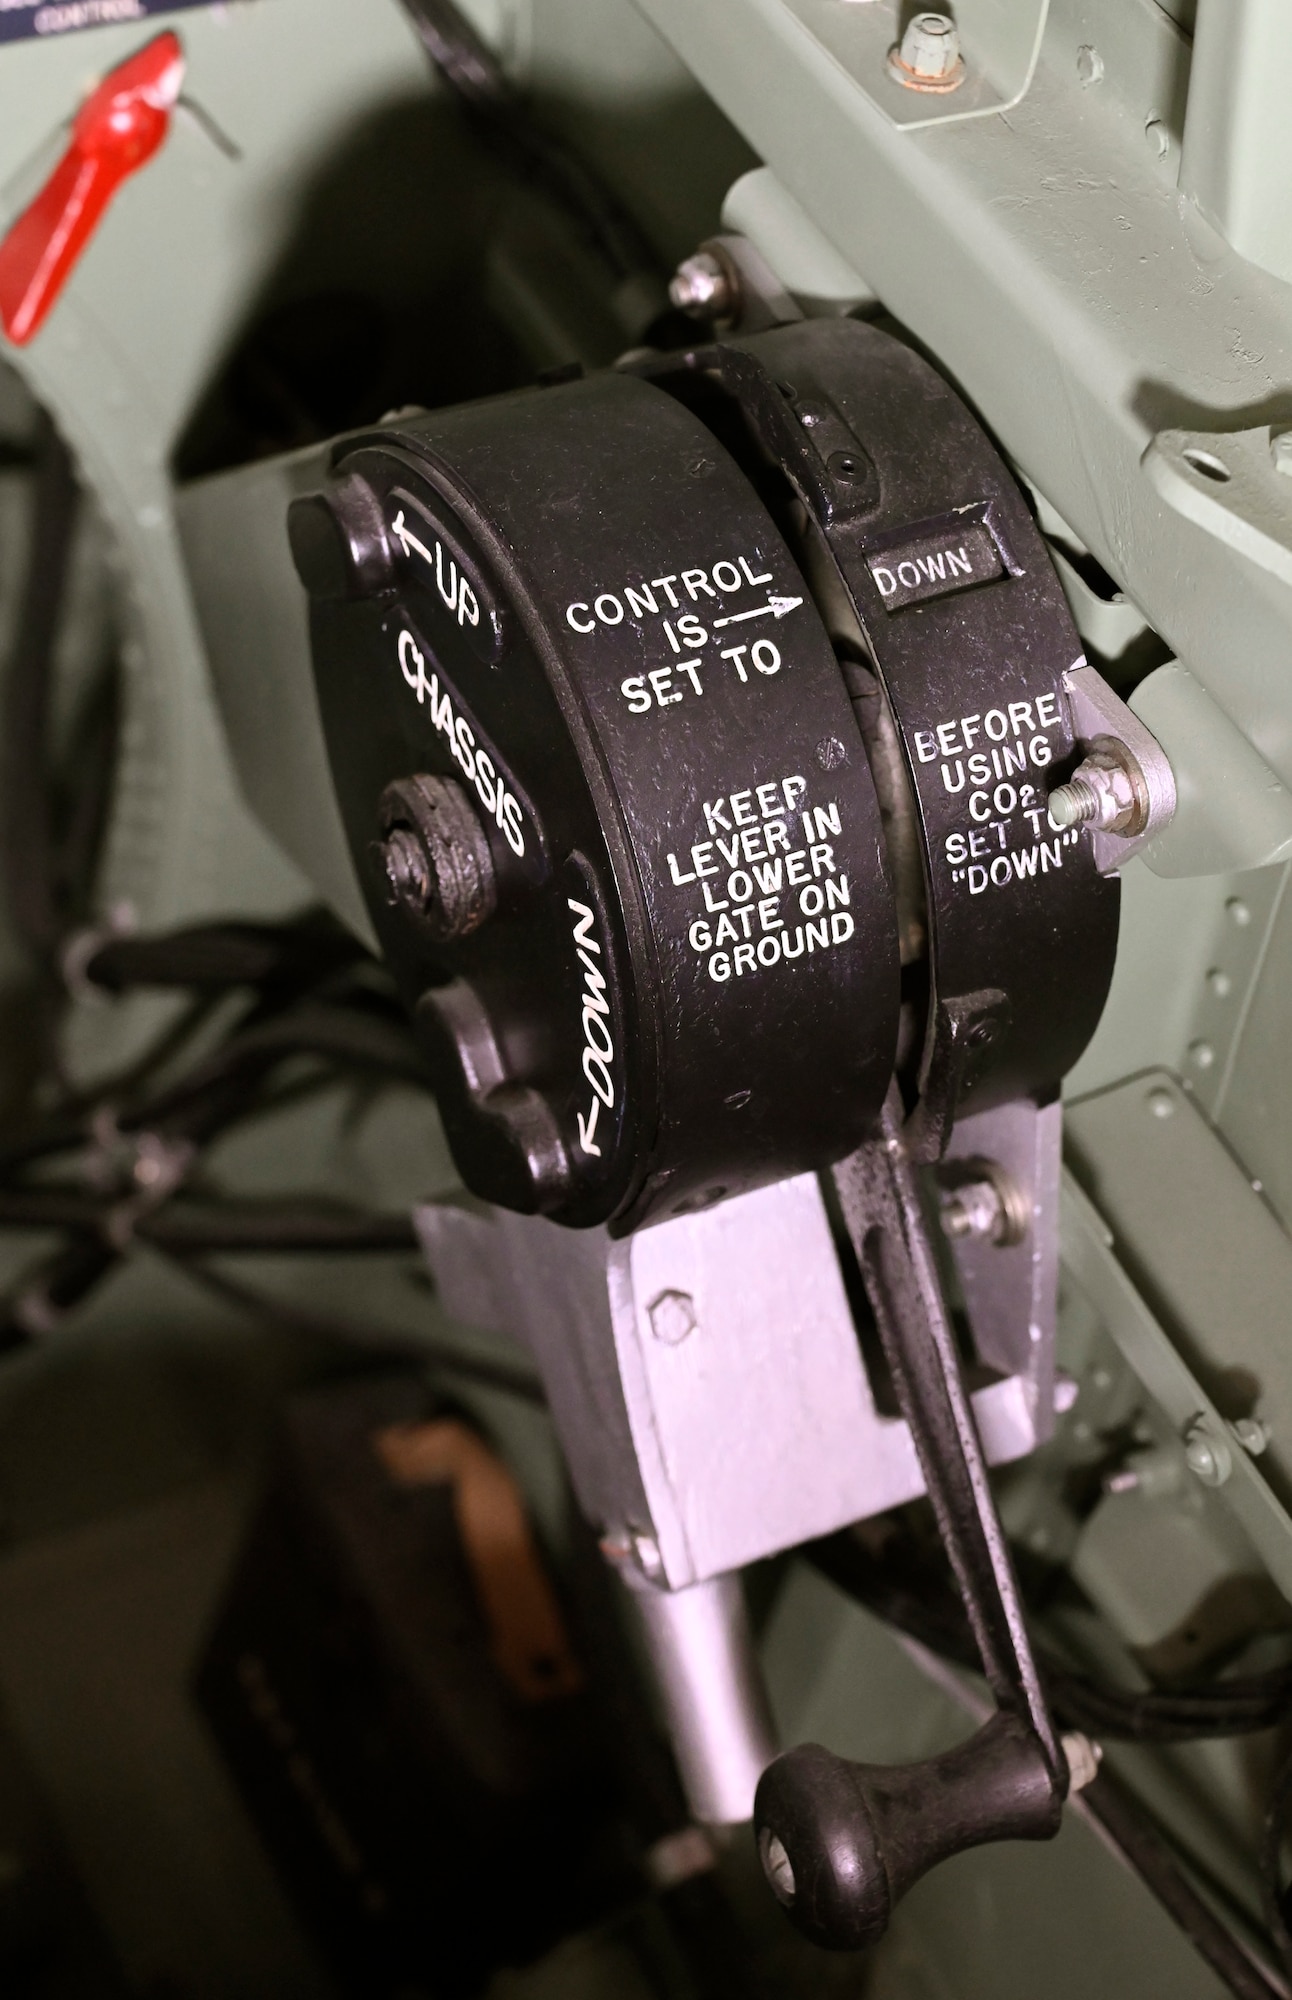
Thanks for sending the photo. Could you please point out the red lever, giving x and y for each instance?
(117, 129)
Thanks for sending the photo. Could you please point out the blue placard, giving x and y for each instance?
(23, 20)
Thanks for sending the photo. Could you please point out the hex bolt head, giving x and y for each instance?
(672, 1317)
(1206, 1454)
(928, 56)
(435, 856)
(703, 287)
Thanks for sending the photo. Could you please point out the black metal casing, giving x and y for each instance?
(576, 604)
(963, 617)
(658, 789)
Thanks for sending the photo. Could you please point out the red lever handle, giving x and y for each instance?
(117, 129)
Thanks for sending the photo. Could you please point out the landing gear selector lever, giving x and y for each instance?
(735, 807)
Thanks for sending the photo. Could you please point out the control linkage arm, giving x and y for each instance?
(840, 1842)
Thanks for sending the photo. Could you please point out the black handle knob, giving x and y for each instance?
(841, 1842)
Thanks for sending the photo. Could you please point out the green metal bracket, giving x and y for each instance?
(1197, 1329)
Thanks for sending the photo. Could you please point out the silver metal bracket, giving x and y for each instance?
(1099, 717)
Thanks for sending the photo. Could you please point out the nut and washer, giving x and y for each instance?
(434, 856)
(928, 56)
(1107, 791)
(982, 1201)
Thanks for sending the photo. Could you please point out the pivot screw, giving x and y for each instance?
(1106, 791)
(703, 287)
(928, 56)
(435, 857)
(1207, 1455)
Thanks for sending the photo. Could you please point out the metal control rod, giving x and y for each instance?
(840, 1842)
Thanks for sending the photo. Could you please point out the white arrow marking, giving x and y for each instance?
(587, 1126)
(776, 606)
(409, 542)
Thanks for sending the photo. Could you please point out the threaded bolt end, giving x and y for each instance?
(702, 288)
(1074, 804)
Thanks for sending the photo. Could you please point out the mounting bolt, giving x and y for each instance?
(672, 1317)
(928, 56)
(1206, 1454)
(1281, 452)
(435, 856)
(1106, 791)
(703, 287)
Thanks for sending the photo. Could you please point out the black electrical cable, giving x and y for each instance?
(313, 997)
(351, 1037)
(84, 785)
(1274, 1892)
(1131, 1831)
(902, 1590)
(214, 957)
(272, 1225)
(59, 1282)
(908, 1594)
(489, 98)
(26, 829)
(513, 1381)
